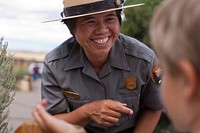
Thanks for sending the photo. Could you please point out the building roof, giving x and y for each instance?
(28, 56)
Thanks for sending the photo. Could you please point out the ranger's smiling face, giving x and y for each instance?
(97, 33)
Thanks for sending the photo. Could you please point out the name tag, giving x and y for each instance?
(71, 94)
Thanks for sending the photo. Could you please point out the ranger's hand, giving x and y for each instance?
(107, 112)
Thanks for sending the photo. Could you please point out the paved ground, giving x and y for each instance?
(23, 104)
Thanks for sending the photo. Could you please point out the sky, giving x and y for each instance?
(21, 25)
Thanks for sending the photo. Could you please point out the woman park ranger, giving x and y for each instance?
(99, 78)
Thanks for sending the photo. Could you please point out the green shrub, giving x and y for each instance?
(7, 83)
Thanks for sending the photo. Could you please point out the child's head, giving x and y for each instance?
(175, 35)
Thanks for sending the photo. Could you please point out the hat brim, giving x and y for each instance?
(82, 15)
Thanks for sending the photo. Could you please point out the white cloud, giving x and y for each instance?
(20, 22)
(29, 5)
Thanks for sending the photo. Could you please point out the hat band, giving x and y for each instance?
(92, 7)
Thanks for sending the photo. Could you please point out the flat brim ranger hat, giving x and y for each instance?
(80, 8)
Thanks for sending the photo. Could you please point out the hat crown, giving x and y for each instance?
(70, 3)
(80, 8)
(86, 7)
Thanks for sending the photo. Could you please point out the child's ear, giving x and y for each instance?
(190, 78)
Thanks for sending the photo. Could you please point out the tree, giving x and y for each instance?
(136, 22)
(7, 83)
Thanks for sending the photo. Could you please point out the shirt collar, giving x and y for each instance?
(117, 57)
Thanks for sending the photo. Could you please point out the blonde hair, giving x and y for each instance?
(175, 33)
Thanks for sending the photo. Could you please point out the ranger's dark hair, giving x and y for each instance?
(70, 23)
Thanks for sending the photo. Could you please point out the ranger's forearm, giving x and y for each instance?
(147, 121)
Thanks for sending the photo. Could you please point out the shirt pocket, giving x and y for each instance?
(131, 98)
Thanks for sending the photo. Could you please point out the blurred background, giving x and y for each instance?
(28, 39)
(21, 24)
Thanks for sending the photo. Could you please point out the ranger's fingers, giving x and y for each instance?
(121, 108)
(108, 122)
(124, 109)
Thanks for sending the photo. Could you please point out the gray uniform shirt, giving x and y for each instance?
(69, 81)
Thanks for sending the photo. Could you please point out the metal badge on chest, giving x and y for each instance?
(130, 82)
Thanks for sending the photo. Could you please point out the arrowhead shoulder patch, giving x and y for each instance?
(156, 75)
